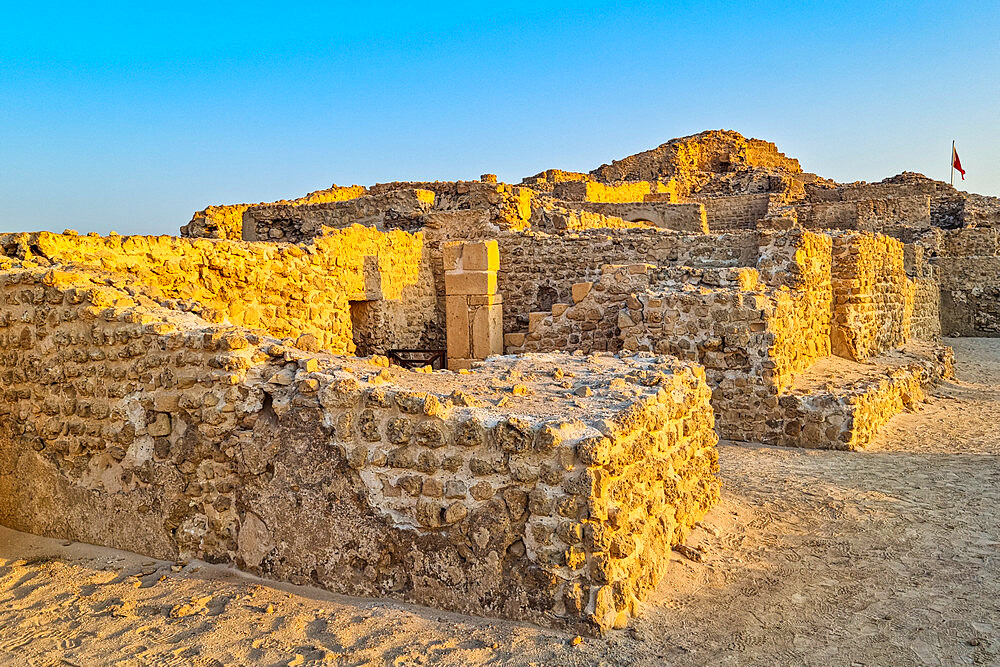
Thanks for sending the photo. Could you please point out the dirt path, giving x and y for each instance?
(890, 556)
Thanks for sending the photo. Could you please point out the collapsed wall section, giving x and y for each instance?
(132, 426)
(682, 217)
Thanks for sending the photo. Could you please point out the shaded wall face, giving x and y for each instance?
(288, 291)
(967, 263)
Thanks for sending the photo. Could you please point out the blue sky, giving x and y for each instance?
(117, 117)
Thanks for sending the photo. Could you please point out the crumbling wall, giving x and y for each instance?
(539, 270)
(802, 262)
(286, 290)
(593, 191)
(685, 158)
(507, 206)
(553, 218)
(682, 217)
(226, 222)
(756, 331)
(132, 426)
(726, 213)
(925, 323)
(866, 214)
(967, 263)
(591, 323)
(873, 298)
(298, 223)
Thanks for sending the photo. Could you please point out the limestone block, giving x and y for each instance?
(470, 282)
(483, 256)
(451, 255)
(580, 291)
(514, 339)
(534, 319)
(458, 326)
(485, 300)
(460, 364)
(487, 331)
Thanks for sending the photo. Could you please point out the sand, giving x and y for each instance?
(888, 556)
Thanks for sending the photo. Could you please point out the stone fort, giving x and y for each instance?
(499, 399)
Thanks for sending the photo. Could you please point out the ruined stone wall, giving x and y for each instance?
(539, 270)
(734, 212)
(757, 331)
(685, 158)
(300, 223)
(593, 191)
(801, 326)
(593, 321)
(226, 222)
(866, 214)
(866, 191)
(288, 291)
(554, 218)
(683, 217)
(752, 337)
(848, 415)
(873, 298)
(508, 206)
(132, 426)
(925, 323)
(967, 263)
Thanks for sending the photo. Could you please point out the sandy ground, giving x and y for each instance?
(889, 556)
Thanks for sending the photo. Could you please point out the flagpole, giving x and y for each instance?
(952, 163)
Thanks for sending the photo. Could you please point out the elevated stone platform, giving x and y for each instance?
(841, 404)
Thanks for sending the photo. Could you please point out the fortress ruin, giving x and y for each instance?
(500, 399)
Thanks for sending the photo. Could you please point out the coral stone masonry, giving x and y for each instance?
(228, 394)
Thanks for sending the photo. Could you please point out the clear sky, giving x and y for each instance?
(113, 116)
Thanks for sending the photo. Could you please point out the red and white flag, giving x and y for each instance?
(956, 163)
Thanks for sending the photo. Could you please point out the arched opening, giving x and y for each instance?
(545, 297)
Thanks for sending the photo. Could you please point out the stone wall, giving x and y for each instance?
(226, 222)
(843, 407)
(539, 270)
(753, 329)
(873, 298)
(298, 223)
(682, 217)
(967, 263)
(133, 426)
(286, 290)
(866, 214)
(734, 212)
(925, 323)
(592, 191)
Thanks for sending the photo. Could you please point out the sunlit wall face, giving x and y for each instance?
(131, 119)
